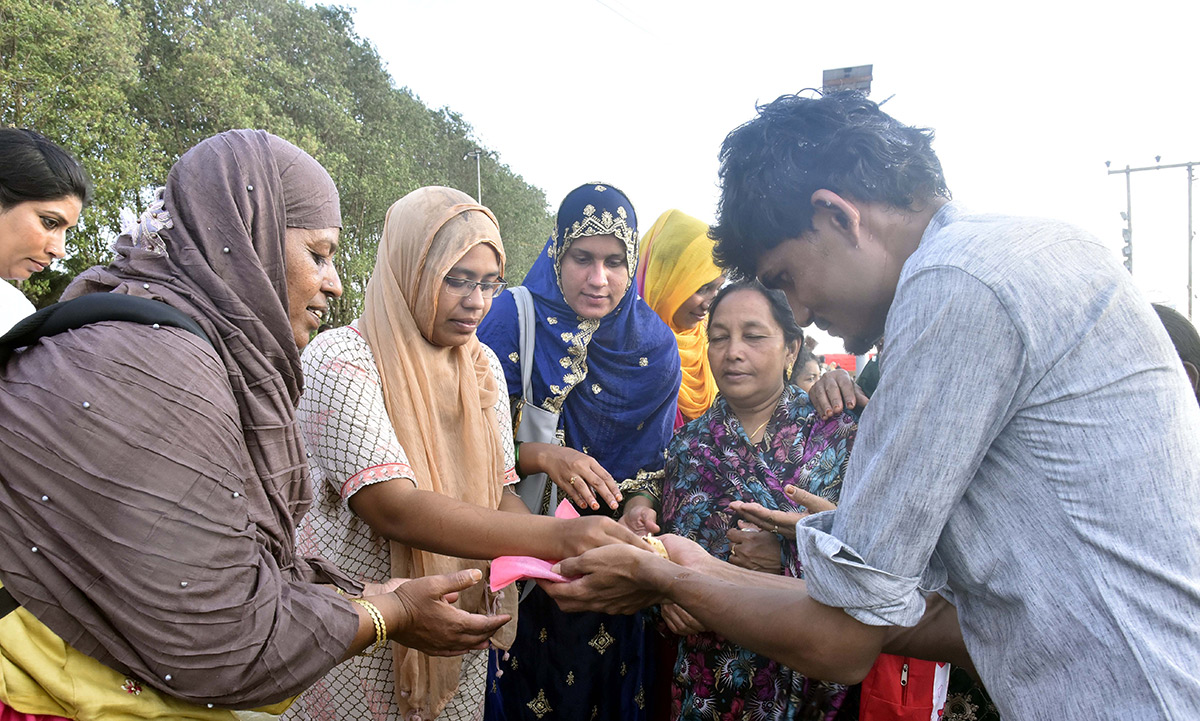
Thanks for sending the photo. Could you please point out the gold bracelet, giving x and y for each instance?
(377, 619)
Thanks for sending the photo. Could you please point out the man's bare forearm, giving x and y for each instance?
(773, 615)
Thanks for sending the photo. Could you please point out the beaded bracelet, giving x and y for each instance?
(377, 619)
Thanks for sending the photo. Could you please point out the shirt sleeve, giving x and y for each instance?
(950, 366)
(343, 416)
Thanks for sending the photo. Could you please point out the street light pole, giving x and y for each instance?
(476, 153)
(1129, 212)
(1191, 235)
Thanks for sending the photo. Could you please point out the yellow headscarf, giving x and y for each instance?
(676, 261)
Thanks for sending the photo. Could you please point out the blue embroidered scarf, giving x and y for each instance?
(615, 380)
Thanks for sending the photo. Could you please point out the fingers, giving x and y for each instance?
(845, 389)
(860, 398)
(813, 503)
(781, 522)
(739, 561)
(609, 493)
(589, 485)
(578, 490)
(604, 484)
(452, 583)
(753, 512)
(641, 520)
(598, 559)
(484, 627)
(832, 392)
(650, 521)
(819, 398)
(680, 621)
(737, 535)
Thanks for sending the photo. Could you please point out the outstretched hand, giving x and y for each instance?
(433, 626)
(834, 391)
(782, 522)
(611, 579)
(640, 516)
(581, 535)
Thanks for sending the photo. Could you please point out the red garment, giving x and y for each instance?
(899, 688)
(7, 714)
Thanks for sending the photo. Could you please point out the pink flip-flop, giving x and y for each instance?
(507, 569)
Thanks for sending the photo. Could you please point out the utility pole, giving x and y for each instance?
(476, 153)
(1127, 216)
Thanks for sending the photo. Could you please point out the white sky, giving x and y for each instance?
(1028, 99)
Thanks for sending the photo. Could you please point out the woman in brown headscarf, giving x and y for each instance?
(407, 417)
(151, 481)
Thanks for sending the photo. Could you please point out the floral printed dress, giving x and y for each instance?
(710, 463)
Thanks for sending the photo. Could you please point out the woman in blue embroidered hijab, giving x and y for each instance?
(607, 366)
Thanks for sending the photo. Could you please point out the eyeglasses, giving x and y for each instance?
(464, 287)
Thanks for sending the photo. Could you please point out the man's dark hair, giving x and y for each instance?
(1183, 334)
(34, 168)
(776, 301)
(842, 142)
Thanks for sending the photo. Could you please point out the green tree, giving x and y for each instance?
(66, 70)
(151, 78)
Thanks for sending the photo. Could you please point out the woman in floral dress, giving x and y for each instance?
(759, 443)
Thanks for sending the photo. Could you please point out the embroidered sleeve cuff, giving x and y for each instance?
(375, 474)
(837, 576)
(510, 476)
(646, 483)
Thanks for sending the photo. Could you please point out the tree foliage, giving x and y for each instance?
(129, 85)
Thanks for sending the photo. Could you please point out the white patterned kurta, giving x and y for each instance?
(352, 444)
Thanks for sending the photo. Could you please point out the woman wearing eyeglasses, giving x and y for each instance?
(406, 417)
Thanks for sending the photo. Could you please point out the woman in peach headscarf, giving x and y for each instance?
(407, 422)
(678, 280)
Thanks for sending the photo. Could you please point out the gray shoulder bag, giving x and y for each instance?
(536, 425)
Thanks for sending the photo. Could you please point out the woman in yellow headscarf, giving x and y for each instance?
(678, 280)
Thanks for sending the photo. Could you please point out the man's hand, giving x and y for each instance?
(432, 625)
(612, 579)
(686, 552)
(834, 391)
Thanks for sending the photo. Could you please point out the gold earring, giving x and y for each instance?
(787, 374)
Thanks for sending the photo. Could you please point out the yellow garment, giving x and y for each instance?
(40, 674)
(440, 401)
(676, 261)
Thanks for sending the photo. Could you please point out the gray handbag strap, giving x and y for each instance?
(528, 330)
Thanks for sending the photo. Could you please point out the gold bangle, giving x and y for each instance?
(377, 619)
(657, 545)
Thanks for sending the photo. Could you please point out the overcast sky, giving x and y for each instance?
(1028, 99)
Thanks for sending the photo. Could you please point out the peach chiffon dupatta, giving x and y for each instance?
(440, 401)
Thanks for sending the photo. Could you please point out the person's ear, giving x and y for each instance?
(838, 214)
(791, 351)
